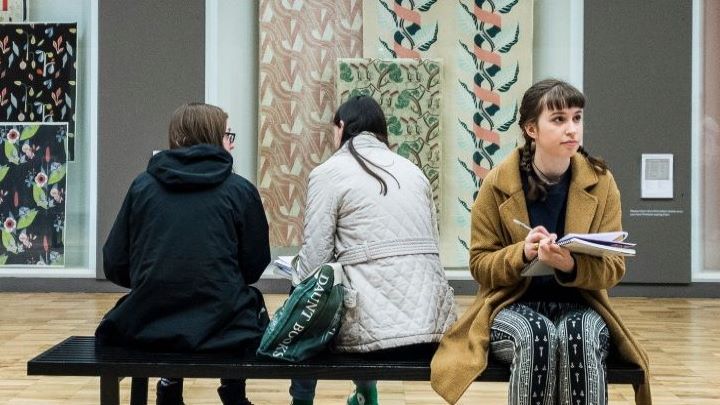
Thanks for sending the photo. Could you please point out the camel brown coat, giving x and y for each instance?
(496, 259)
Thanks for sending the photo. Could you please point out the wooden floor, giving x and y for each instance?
(682, 337)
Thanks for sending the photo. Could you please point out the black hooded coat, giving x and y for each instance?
(190, 238)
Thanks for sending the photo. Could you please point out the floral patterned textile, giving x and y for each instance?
(409, 92)
(32, 193)
(37, 74)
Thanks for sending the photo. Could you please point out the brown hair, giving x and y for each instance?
(551, 94)
(196, 123)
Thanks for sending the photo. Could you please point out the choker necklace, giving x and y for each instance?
(545, 178)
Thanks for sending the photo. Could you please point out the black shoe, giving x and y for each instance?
(169, 392)
(233, 394)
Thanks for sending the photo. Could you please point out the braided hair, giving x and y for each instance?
(549, 94)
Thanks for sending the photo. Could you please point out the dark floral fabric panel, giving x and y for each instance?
(32, 193)
(37, 74)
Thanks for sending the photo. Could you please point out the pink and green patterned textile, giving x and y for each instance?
(486, 48)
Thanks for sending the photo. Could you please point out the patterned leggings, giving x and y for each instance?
(548, 342)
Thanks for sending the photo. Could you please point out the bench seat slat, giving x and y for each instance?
(79, 356)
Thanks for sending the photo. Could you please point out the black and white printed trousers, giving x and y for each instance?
(557, 353)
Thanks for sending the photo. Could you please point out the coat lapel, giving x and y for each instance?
(581, 205)
(514, 206)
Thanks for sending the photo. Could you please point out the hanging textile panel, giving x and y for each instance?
(32, 193)
(13, 10)
(37, 74)
(486, 47)
(299, 44)
(409, 92)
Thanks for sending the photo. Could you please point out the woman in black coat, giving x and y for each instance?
(190, 238)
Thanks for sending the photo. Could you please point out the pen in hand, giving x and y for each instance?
(536, 245)
(517, 221)
(524, 225)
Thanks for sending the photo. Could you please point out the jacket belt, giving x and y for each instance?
(387, 248)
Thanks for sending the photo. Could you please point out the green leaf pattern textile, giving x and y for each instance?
(409, 92)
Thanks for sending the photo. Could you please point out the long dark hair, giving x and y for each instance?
(551, 94)
(363, 114)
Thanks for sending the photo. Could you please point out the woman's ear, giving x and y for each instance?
(531, 130)
(337, 134)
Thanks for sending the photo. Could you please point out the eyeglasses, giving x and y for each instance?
(230, 136)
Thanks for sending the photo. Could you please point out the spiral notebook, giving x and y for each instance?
(593, 244)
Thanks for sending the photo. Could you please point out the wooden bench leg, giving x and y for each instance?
(109, 390)
(139, 391)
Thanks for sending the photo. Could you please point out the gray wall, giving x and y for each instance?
(151, 59)
(638, 83)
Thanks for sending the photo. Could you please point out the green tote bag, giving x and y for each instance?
(309, 319)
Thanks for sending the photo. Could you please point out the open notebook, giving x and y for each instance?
(594, 244)
(284, 267)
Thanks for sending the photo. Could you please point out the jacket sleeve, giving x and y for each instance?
(320, 225)
(116, 251)
(598, 273)
(492, 263)
(254, 249)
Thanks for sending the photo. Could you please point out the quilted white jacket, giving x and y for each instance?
(388, 246)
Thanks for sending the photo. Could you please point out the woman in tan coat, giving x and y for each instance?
(555, 331)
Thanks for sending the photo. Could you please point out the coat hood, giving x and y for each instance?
(194, 167)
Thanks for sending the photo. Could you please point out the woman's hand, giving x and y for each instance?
(555, 255)
(532, 241)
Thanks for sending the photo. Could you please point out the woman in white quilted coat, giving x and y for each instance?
(372, 210)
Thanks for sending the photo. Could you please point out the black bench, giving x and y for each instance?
(80, 356)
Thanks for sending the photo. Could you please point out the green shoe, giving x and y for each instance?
(363, 397)
(300, 402)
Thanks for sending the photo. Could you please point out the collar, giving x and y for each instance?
(508, 173)
(581, 204)
(364, 140)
